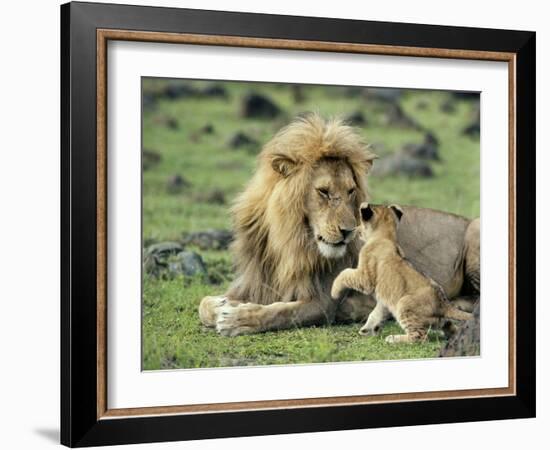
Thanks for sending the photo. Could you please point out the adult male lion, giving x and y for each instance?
(295, 231)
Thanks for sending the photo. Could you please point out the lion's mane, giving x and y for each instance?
(275, 254)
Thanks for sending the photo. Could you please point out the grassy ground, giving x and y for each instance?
(172, 334)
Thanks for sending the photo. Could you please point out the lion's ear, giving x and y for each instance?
(283, 165)
(398, 211)
(370, 159)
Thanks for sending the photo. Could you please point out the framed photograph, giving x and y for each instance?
(276, 224)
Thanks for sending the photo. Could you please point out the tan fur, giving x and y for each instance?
(309, 182)
(471, 255)
(415, 300)
(282, 221)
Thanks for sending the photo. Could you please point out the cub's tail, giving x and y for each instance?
(451, 312)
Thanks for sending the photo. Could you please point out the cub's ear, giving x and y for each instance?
(283, 165)
(397, 210)
(366, 211)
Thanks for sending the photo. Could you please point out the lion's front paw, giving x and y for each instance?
(238, 320)
(209, 309)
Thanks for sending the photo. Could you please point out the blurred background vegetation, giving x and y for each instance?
(200, 141)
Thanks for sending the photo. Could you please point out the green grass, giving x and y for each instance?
(173, 336)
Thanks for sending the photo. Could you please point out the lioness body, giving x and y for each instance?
(294, 233)
(415, 300)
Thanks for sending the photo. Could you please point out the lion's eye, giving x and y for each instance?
(351, 191)
(323, 192)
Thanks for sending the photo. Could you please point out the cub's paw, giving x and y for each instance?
(341, 283)
(400, 339)
(239, 320)
(335, 292)
(370, 331)
(393, 339)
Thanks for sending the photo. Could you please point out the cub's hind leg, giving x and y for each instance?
(414, 315)
(414, 333)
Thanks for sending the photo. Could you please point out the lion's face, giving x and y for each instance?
(331, 207)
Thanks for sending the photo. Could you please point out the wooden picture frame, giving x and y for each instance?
(85, 416)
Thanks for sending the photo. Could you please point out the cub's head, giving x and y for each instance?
(380, 219)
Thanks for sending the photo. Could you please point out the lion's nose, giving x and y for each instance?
(345, 232)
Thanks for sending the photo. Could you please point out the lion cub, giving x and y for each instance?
(416, 301)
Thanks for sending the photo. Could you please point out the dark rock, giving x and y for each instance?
(148, 241)
(402, 164)
(241, 139)
(177, 90)
(209, 239)
(425, 150)
(465, 95)
(172, 123)
(176, 183)
(298, 93)
(379, 148)
(356, 118)
(259, 106)
(156, 256)
(166, 121)
(396, 117)
(187, 263)
(473, 128)
(164, 249)
(170, 259)
(214, 90)
(466, 341)
(149, 101)
(448, 106)
(383, 94)
(207, 129)
(421, 151)
(422, 105)
(215, 196)
(429, 138)
(150, 158)
(352, 91)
